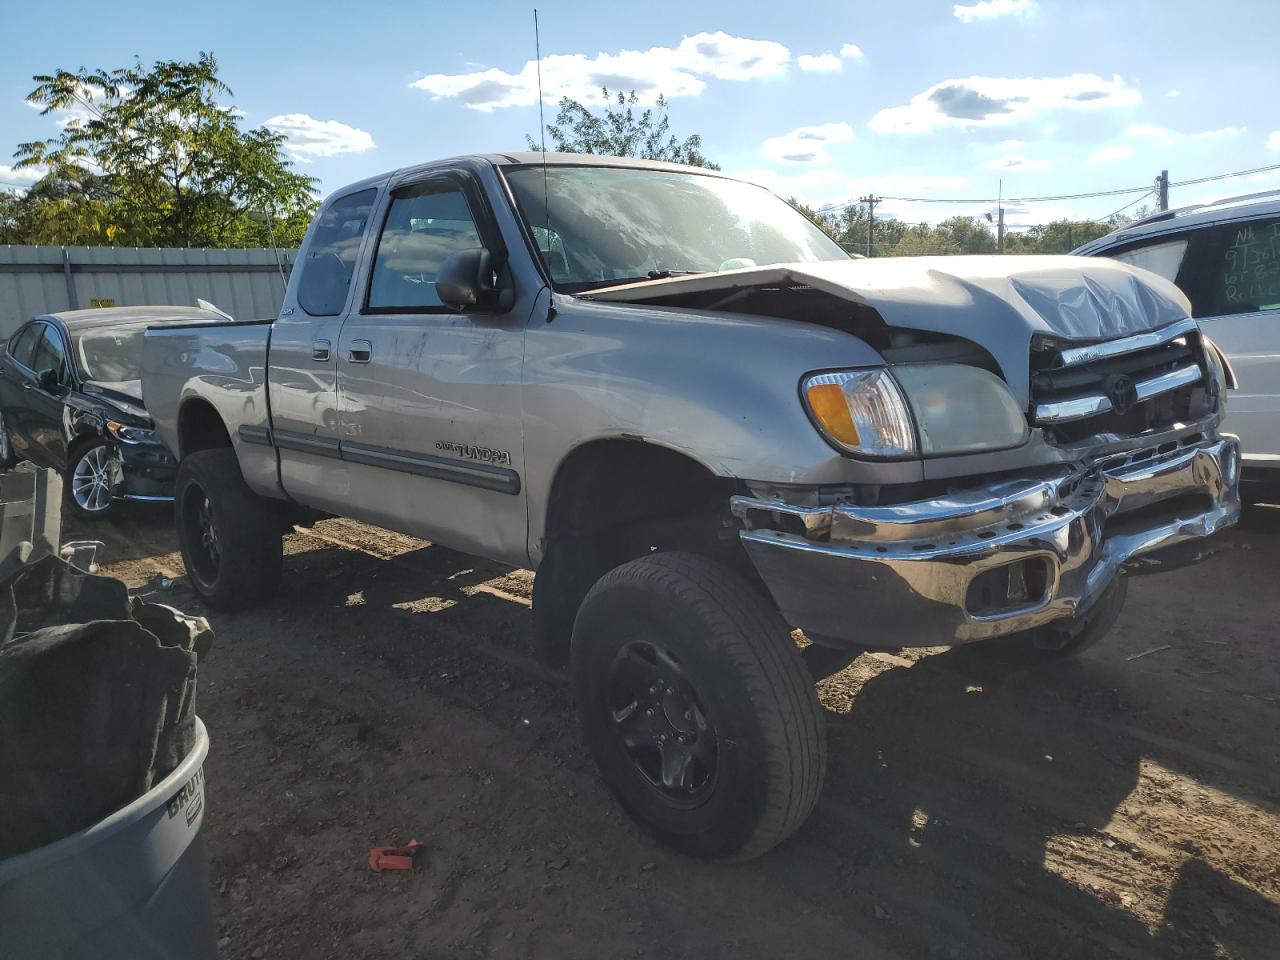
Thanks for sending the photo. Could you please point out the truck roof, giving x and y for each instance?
(529, 158)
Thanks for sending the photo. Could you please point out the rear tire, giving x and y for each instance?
(697, 706)
(230, 537)
(7, 457)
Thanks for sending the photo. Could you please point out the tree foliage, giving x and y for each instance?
(152, 156)
(892, 237)
(621, 131)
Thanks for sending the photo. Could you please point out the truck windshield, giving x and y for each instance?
(617, 224)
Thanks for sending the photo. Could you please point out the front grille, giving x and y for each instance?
(1123, 387)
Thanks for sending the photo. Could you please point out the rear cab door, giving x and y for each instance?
(301, 368)
(17, 378)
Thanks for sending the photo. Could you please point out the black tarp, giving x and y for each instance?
(97, 700)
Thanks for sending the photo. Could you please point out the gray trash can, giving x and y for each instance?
(134, 886)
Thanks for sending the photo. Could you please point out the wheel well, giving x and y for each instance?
(615, 500)
(200, 428)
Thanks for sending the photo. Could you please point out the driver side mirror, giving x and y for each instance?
(47, 379)
(466, 281)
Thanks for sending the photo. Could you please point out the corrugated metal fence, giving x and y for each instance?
(247, 284)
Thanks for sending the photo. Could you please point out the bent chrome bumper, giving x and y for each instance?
(989, 561)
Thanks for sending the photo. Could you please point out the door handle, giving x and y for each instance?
(361, 351)
(320, 350)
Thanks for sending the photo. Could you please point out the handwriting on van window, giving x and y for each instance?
(1251, 267)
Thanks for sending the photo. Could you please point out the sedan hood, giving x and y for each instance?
(1000, 303)
(126, 395)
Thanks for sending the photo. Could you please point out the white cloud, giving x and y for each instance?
(309, 137)
(997, 101)
(1273, 141)
(1017, 163)
(1222, 133)
(806, 144)
(1112, 154)
(990, 9)
(672, 72)
(1164, 137)
(1174, 93)
(822, 63)
(851, 51)
(22, 176)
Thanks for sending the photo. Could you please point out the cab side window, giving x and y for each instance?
(23, 345)
(1238, 269)
(51, 354)
(425, 225)
(331, 255)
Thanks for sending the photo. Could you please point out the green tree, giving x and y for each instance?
(152, 156)
(1060, 236)
(620, 131)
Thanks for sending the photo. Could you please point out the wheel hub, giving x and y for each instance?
(661, 723)
(91, 480)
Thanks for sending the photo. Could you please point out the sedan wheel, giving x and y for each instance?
(91, 482)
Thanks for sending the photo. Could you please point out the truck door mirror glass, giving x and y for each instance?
(465, 281)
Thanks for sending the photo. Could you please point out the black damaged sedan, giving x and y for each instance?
(71, 399)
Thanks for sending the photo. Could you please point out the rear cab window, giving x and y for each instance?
(332, 252)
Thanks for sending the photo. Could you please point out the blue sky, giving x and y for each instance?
(914, 98)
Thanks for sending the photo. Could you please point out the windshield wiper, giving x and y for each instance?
(664, 274)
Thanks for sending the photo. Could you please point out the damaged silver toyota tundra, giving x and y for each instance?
(705, 427)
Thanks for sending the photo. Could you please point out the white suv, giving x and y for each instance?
(1226, 258)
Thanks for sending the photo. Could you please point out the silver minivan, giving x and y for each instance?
(1226, 258)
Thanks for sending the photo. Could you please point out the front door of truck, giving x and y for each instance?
(302, 368)
(430, 399)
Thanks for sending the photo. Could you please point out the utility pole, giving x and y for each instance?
(1000, 219)
(870, 200)
(1162, 191)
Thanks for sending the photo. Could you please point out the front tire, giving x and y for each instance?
(697, 706)
(91, 471)
(230, 537)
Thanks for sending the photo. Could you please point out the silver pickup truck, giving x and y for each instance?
(705, 427)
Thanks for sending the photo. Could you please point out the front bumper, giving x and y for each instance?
(989, 561)
(146, 473)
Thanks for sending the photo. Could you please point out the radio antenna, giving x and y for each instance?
(546, 192)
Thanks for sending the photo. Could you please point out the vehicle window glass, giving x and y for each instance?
(425, 225)
(111, 354)
(50, 354)
(331, 255)
(24, 344)
(596, 226)
(1163, 258)
(1241, 269)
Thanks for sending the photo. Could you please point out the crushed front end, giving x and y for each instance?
(1142, 472)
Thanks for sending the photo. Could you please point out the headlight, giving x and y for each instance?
(862, 411)
(126, 434)
(927, 409)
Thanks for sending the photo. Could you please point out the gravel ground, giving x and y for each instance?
(1124, 804)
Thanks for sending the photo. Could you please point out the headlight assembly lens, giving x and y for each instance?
(862, 411)
(961, 409)
(127, 434)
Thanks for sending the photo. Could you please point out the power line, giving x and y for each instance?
(1120, 191)
(1125, 207)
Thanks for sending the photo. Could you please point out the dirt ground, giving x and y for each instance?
(1127, 804)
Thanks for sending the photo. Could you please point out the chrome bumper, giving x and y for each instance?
(985, 562)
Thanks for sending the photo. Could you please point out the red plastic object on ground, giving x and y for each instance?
(393, 858)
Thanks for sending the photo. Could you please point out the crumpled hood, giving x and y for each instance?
(123, 394)
(999, 303)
